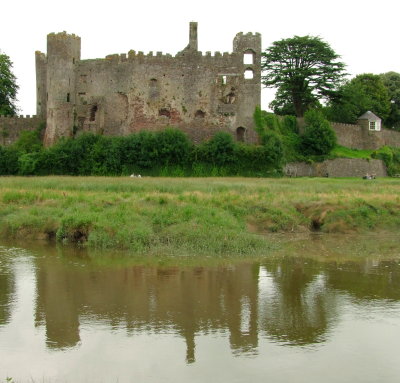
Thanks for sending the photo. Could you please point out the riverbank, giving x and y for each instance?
(186, 216)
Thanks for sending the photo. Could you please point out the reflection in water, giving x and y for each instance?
(301, 309)
(282, 300)
(183, 300)
(7, 287)
(297, 307)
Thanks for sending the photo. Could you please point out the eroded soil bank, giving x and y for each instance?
(222, 216)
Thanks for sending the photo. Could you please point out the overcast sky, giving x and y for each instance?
(365, 34)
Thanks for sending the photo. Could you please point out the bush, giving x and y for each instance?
(8, 161)
(391, 158)
(220, 150)
(318, 138)
(173, 147)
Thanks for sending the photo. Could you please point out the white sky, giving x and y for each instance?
(364, 33)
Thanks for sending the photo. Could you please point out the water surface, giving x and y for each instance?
(321, 309)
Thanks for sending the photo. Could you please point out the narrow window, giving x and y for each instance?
(68, 97)
(154, 90)
(93, 111)
(248, 74)
(73, 60)
(240, 132)
(223, 80)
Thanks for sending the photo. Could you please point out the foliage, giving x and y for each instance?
(279, 133)
(391, 158)
(357, 96)
(391, 80)
(8, 87)
(29, 141)
(8, 161)
(344, 152)
(219, 149)
(166, 153)
(304, 70)
(318, 138)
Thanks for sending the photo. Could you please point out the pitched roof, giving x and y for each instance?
(369, 116)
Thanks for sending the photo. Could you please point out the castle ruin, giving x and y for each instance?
(198, 93)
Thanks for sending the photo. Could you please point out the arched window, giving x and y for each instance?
(240, 134)
(93, 111)
(199, 114)
(154, 90)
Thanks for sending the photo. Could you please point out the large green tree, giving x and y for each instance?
(304, 70)
(391, 80)
(8, 87)
(362, 93)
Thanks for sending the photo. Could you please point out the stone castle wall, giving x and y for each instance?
(359, 137)
(11, 127)
(339, 167)
(122, 94)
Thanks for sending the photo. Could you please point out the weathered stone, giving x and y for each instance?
(339, 167)
(119, 95)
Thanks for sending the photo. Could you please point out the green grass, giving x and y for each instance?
(191, 216)
(343, 152)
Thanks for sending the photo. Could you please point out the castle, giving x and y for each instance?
(197, 93)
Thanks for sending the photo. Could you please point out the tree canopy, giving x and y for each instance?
(391, 80)
(8, 87)
(304, 70)
(362, 93)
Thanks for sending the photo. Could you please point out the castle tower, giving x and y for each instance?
(63, 53)
(41, 84)
(193, 45)
(248, 48)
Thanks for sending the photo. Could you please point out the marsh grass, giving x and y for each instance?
(188, 216)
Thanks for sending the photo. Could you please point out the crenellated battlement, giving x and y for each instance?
(248, 34)
(196, 91)
(132, 55)
(20, 117)
(62, 36)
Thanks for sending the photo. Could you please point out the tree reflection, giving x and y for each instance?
(7, 289)
(298, 306)
(299, 309)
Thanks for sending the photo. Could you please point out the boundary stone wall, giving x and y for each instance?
(339, 167)
(359, 137)
(11, 127)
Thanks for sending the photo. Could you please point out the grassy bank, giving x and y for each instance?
(191, 216)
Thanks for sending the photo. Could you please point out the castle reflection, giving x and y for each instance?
(292, 301)
(7, 289)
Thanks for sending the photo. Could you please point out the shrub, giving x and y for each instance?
(219, 150)
(173, 147)
(8, 161)
(318, 138)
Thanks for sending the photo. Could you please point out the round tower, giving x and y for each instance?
(63, 53)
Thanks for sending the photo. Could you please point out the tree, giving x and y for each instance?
(8, 87)
(391, 80)
(304, 70)
(318, 138)
(362, 93)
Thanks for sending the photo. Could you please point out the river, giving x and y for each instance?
(317, 309)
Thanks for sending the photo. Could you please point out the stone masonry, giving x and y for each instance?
(122, 94)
